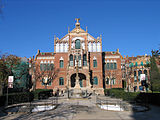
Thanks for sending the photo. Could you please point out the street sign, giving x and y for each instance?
(10, 85)
(10, 79)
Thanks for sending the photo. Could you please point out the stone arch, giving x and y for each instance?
(82, 79)
(80, 38)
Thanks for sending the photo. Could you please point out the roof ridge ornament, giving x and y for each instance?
(77, 23)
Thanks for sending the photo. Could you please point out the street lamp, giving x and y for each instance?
(130, 75)
(68, 80)
(46, 81)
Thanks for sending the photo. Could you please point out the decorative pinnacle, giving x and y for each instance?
(77, 23)
(86, 29)
(77, 19)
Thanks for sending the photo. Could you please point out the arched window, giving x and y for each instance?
(71, 60)
(135, 76)
(145, 72)
(61, 64)
(79, 61)
(111, 66)
(77, 44)
(139, 73)
(95, 81)
(75, 60)
(141, 63)
(84, 60)
(115, 65)
(51, 66)
(41, 67)
(107, 66)
(136, 64)
(94, 63)
(113, 81)
(45, 67)
(61, 81)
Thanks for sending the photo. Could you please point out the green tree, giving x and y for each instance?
(11, 65)
(21, 75)
(7, 64)
(154, 71)
(3, 75)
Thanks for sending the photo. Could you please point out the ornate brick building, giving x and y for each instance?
(112, 71)
(77, 53)
(132, 70)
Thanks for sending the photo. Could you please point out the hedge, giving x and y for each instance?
(149, 98)
(14, 98)
(120, 93)
(42, 93)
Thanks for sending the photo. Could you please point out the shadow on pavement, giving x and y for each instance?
(152, 114)
(63, 111)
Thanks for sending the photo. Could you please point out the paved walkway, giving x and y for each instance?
(74, 109)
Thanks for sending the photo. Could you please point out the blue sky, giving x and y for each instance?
(133, 26)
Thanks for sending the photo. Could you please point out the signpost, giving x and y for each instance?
(10, 85)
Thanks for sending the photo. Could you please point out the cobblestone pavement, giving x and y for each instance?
(74, 109)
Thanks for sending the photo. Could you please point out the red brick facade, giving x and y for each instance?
(113, 75)
(79, 52)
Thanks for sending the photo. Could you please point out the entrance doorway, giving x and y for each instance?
(82, 79)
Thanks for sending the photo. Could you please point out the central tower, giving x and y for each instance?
(84, 58)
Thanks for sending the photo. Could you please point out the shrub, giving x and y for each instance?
(14, 98)
(42, 93)
(120, 93)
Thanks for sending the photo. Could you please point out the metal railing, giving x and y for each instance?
(29, 106)
(123, 105)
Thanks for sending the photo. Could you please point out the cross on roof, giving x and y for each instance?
(77, 19)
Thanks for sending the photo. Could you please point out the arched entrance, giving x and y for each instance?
(82, 79)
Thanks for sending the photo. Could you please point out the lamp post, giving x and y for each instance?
(32, 72)
(130, 76)
(111, 82)
(45, 82)
(68, 80)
